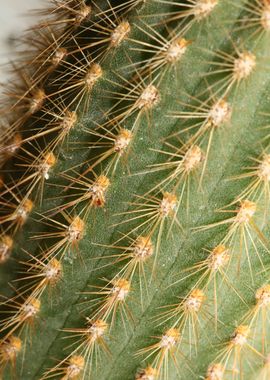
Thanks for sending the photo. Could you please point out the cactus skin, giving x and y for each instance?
(177, 250)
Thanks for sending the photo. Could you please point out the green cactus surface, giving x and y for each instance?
(135, 193)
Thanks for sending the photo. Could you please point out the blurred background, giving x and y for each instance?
(15, 16)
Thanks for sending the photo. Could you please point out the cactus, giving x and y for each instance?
(135, 193)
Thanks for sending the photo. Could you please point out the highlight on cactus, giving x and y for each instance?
(134, 192)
